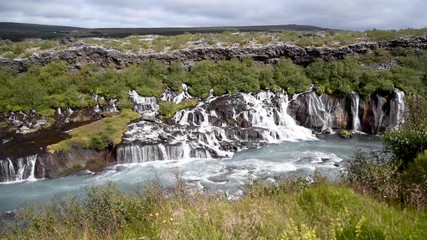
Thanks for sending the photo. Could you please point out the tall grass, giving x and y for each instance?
(289, 210)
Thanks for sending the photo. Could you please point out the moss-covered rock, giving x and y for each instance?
(345, 134)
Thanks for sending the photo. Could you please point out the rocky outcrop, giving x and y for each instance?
(45, 165)
(78, 55)
(59, 164)
(216, 127)
(321, 113)
(324, 113)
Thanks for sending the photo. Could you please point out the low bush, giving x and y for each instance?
(411, 139)
(168, 109)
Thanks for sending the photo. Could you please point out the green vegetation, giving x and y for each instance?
(52, 86)
(223, 77)
(97, 135)
(168, 109)
(411, 139)
(26, 48)
(399, 178)
(233, 38)
(345, 134)
(173, 39)
(289, 210)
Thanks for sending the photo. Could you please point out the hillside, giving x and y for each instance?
(21, 31)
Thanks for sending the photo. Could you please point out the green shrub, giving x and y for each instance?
(416, 171)
(411, 138)
(376, 174)
(99, 142)
(167, 109)
(406, 143)
(290, 77)
(345, 134)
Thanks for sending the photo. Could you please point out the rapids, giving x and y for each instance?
(227, 175)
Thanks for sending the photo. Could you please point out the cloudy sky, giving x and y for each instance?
(342, 14)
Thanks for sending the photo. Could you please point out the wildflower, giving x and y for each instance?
(164, 221)
(157, 214)
(150, 215)
(171, 219)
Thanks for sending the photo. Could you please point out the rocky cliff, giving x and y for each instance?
(83, 53)
(217, 127)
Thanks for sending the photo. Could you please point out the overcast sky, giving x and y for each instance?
(341, 14)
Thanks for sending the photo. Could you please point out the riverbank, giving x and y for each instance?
(289, 210)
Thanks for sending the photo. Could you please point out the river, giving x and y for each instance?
(227, 174)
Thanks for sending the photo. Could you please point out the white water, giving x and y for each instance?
(198, 134)
(23, 170)
(171, 96)
(355, 100)
(398, 109)
(319, 108)
(227, 175)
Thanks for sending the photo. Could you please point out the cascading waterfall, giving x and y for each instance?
(377, 109)
(397, 109)
(147, 106)
(7, 170)
(171, 96)
(355, 100)
(319, 109)
(95, 99)
(23, 169)
(215, 128)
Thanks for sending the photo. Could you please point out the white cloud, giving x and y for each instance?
(343, 14)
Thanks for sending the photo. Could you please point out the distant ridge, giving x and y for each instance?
(21, 31)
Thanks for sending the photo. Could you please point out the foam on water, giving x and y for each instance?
(211, 175)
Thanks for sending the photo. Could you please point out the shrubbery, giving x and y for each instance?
(399, 177)
(52, 86)
(168, 109)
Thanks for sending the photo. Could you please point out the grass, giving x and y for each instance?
(168, 109)
(289, 210)
(26, 48)
(229, 38)
(331, 38)
(97, 135)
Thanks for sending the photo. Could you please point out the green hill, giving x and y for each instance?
(21, 31)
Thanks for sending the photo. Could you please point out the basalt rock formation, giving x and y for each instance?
(84, 53)
(218, 127)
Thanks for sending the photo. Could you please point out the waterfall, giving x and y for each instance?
(171, 96)
(355, 100)
(7, 171)
(145, 105)
(32, 161)
(111, 106)
(377, 105)
(23, 169)
(319, 110)
(397, 109)
(95, 99)
(217, 127)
